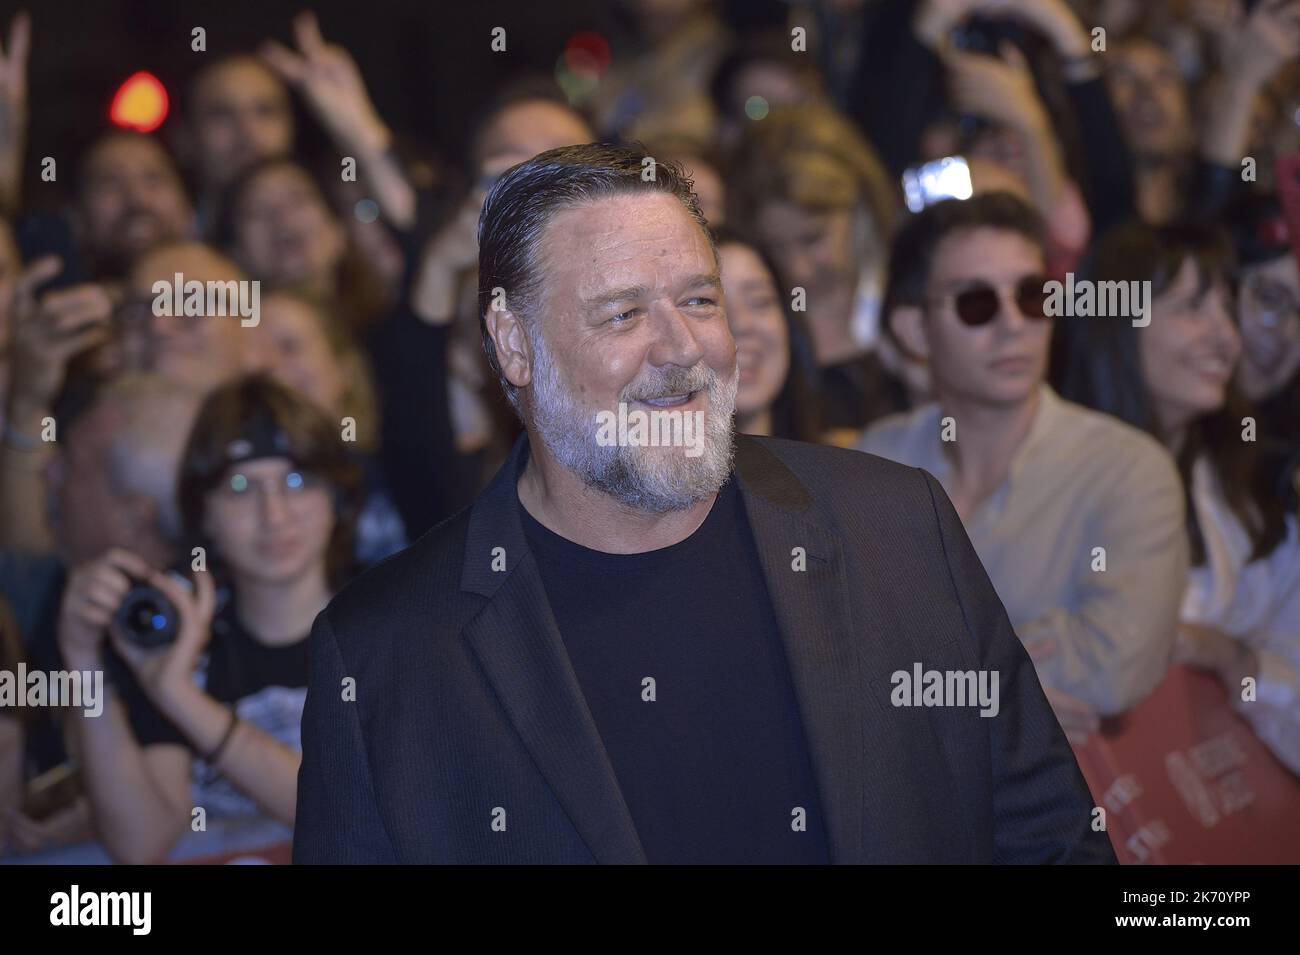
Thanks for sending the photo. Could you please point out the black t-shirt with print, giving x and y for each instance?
(237, 667)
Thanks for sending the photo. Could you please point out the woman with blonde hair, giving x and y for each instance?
(817, 196)
(307, 348)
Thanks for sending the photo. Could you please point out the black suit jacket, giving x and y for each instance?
(466, 709)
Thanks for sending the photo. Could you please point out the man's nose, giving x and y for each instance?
(1009, 314)
(676, 342)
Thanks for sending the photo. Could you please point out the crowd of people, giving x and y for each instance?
(1108, 140)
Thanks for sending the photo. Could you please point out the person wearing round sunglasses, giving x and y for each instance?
(1077, 517)
(268, 497)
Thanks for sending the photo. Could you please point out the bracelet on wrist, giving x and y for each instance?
(212, 757)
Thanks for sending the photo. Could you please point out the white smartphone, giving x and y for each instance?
(931, 182)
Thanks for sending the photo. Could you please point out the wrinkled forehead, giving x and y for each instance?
(627, 238)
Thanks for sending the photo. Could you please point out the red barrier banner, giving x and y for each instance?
(279, 854)
(1184, 780)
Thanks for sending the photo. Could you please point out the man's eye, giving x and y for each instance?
(624, 316)
(238, 483)
(701, 301)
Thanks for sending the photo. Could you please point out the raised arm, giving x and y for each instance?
(329, 82)
(46, 336)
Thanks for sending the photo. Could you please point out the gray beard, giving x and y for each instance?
(654, 479)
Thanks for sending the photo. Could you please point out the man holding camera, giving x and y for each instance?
(109, 490)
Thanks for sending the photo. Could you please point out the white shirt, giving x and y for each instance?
(1256, 602)
(1078, 482)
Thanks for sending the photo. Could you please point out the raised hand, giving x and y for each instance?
(935, 19)
(1263, 42)
(328, 79)
(1000, 90)
(451, 251)
(94, 592)
(47, 333)
(1053, 19)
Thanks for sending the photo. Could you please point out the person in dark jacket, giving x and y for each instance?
(652, 641)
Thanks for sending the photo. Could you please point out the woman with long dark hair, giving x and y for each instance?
(1173, 377)
(774, 350)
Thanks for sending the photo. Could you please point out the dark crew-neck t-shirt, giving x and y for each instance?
(716, 768)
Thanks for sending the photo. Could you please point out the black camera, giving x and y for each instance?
(147, 617)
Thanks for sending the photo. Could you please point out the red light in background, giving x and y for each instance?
(140, 103)
(587, 53)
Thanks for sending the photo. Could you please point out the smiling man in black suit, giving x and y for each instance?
(663, 643)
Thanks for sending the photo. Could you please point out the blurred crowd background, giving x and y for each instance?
(1122, 140)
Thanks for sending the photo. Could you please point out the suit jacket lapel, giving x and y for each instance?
(519, 646)
(813, 614)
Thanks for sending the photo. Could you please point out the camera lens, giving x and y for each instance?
(147, 617)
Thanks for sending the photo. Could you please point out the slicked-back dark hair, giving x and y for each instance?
(521, 203)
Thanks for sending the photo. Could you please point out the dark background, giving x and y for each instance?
(428, 63)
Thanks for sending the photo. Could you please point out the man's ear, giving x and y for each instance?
(907, 324)
(514, 351)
